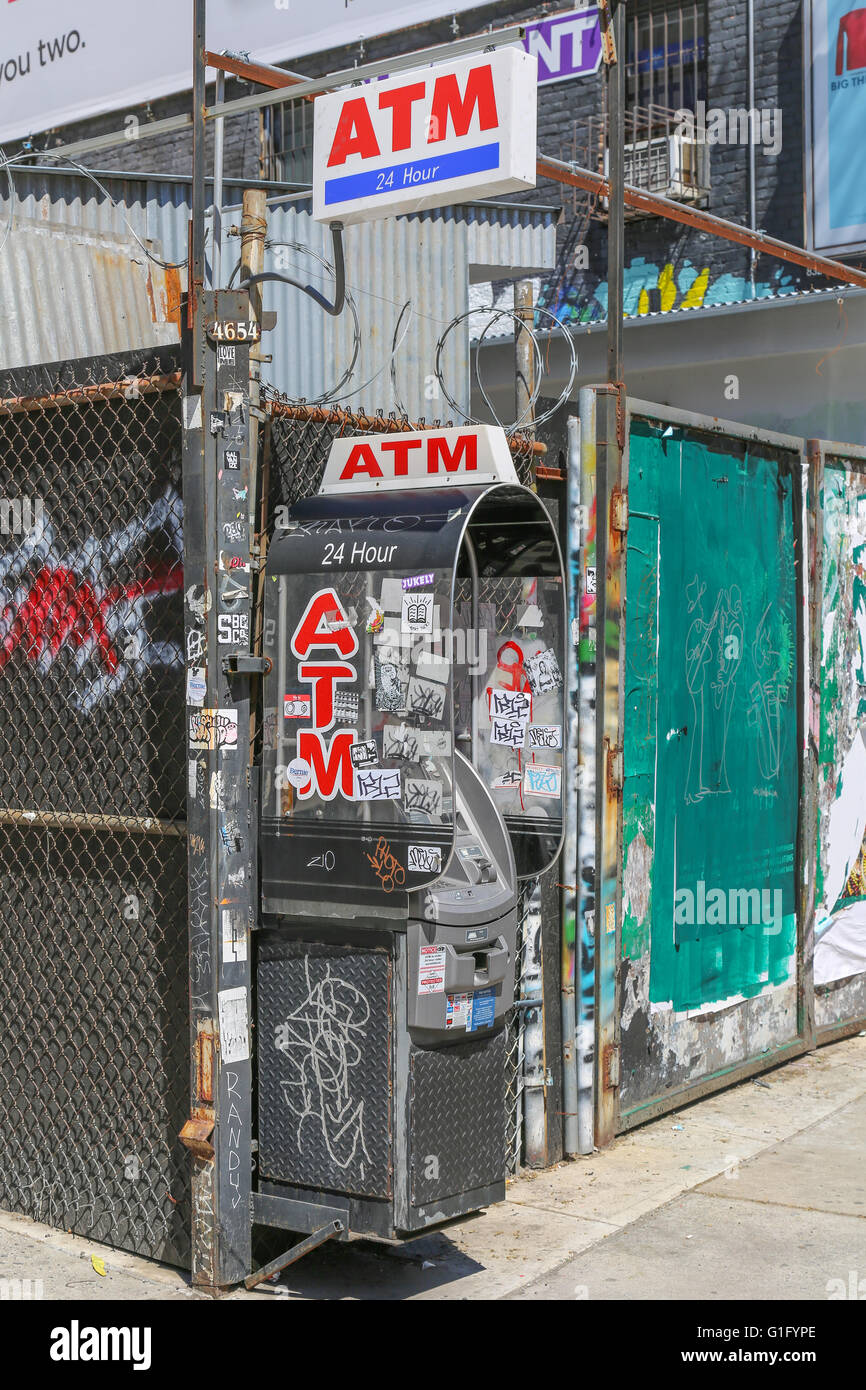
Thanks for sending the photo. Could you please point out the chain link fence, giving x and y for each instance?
(93, 938)
(295, 452)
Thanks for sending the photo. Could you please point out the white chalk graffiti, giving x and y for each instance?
(321, 1041)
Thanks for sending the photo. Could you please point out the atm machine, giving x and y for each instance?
(411, 777)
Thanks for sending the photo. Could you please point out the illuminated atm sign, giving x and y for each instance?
(426, 138)
(427, 458)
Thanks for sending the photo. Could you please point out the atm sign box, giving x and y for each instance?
(426, 138)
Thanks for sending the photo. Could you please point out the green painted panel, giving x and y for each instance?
(716, 778)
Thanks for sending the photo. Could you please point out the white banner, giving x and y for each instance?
(67, 60)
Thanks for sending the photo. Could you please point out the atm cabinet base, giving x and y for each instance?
(302, 1210)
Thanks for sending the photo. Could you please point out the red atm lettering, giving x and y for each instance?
(447, 101)
(354, 134)
(325, 624)
(400, 449)
(465, 451)
(361, 460)
(323, 678)
(327, 765)
(401, 101)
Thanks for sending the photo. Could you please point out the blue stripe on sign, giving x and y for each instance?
(414, 174)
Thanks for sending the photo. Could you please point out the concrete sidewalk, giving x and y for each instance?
(756, 1193)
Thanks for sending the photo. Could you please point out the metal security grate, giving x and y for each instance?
(93, 939)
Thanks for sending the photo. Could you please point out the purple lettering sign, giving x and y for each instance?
(566, 45)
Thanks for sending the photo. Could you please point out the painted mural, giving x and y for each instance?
(651, 286)
(840, 914)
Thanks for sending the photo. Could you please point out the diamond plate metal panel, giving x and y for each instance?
(324, 1047)
(458, 1118)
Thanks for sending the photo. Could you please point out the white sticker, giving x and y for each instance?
(192, 767)
(436, 743)
(391, 598)
(234, 1024)
(196, 686)
(424, 859)
(401, 742)
(423, 794)
(378, 784)
(432, 667)
(431, 970)
(213, 728)
(510, 733)
(298, 772)
(513, 704)
(531, 617)
(426, 697)
(542, 781)
(217, 792)
(458, 1011)
(296, 706)
(234, 936)
(192, 412)
(508, 781)
(545, 736)
(417, 611)
(542, 672)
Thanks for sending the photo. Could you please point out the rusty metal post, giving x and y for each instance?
(254, 227)
(524, 357)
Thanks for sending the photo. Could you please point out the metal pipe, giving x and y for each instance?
(569, 861)
(616, 205)
(72, 820)
(586, 875)
(753, 223)
(197, 229)
(218, 160)
(577, 177)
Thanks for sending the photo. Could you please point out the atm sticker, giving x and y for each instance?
(430, 666)
(375, 618)
(401, 742)
(426, 697)
(196, 686)
(296, 706)
(508, 780)
(531, 617)
(431, 970)
(508, 732)
(346, 706)
(483, 1010)
(513, 704)
(458, 1011)
(542, 672)
(364, 754)
(234, 1025)
(423, 795)
(424, 859)
(391, 681)
(378, 784)
(542, 781)
(417, 612)
(213, 728)
(436, 743)
(391, 598)
(545, 736)
(234, 936)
